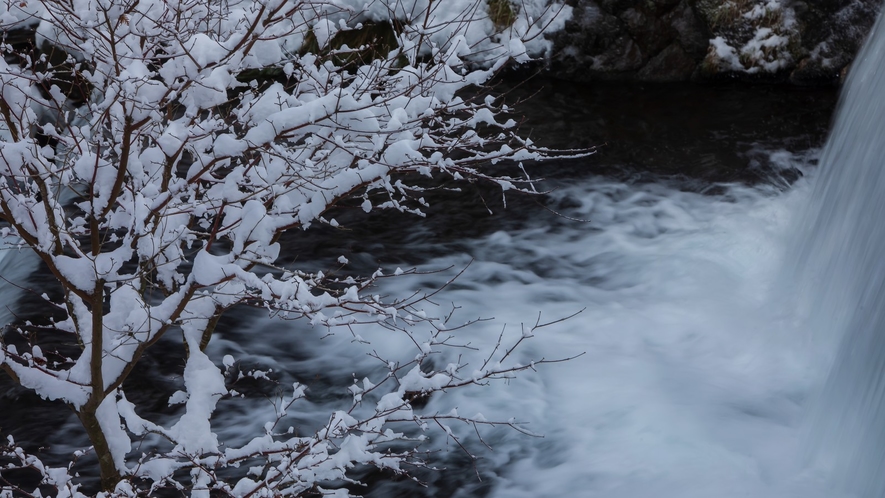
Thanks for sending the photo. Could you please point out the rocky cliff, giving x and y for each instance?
(803, 42)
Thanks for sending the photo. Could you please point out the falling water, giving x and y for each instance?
(841, 281)
(15, 266)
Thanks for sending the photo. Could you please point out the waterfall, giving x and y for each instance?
(15, 266)
(840, 275)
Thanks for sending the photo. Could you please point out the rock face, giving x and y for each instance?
(803, 42)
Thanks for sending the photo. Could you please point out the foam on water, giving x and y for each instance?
(692, 383)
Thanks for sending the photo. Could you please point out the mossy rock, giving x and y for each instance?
(502, 13)
(369, 42)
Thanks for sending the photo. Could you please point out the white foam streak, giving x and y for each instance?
(691, 385)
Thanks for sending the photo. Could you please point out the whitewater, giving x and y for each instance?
(694, 377)
(694, 382)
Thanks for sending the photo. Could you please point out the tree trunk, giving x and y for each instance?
(110, 475)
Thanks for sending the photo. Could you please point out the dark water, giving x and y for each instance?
(706, 133)
(691, 138)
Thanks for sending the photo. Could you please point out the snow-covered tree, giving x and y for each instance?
(153, 166)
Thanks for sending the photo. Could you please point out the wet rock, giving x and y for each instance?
(672, 64)
(651, 33)
(596, 45)
(692, 35)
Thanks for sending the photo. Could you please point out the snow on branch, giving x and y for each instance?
(154, 165)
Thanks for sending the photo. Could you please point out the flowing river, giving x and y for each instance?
(707, 330)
